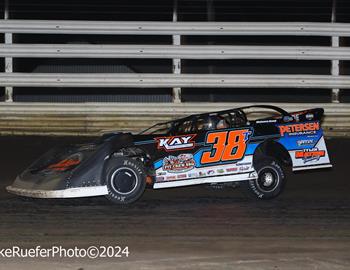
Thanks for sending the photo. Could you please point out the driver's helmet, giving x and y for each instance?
(211, 123)
(222, 124)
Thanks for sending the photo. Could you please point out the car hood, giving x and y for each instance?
(70, 166)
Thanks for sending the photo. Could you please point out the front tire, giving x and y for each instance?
(270, 182)
(125, 179)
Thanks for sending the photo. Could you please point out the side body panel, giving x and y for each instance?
(227, 155)
(206, 157)
(305, 144)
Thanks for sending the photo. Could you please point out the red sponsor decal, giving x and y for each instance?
(160, 178)
(299, 128)
(181, 163)
(232, 169)
(310, 153)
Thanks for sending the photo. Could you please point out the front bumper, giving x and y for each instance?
(63, 193)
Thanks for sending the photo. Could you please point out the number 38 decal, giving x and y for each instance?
(225, 146)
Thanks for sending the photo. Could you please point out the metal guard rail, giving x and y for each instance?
(148, 80)
(172, 51)
(174, 28)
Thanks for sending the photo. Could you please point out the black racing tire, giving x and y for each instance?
(125, 179)
(270, 182)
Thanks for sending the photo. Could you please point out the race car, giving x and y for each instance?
(225, 148)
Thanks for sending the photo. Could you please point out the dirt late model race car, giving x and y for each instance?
(218, 148)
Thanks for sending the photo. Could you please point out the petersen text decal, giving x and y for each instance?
(299, 129)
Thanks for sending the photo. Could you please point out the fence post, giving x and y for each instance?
(8, 60)
(176, 62)
(335, 63)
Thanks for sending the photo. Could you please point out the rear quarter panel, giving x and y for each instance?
(305, 143)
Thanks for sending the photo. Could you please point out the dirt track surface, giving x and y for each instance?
(308, 227)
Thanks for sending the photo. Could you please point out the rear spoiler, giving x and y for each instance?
(308, 115)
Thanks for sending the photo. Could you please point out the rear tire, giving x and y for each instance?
(125, 179)
(270, 182)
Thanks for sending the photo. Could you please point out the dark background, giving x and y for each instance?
(191, 10)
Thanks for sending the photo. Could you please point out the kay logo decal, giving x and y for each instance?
(175, 143)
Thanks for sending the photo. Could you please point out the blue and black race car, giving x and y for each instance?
(217, 148)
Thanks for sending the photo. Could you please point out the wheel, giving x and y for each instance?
(125, 179)
(270, 182)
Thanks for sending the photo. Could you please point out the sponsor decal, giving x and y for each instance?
(233, 169)
(288, 118)
(161, 173)
(309, 116)
(308, 155)
(305, 142)
(243, 168)
(171, 177)
(210, 172)
(181, 176)
(180, 163)
(298, 129)
(297, 114)
(160, 178)
(243, 163)
(193, 175)
(202, 173)
(225, 146)
(266, 121)
(220, 171)
(175, 143)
